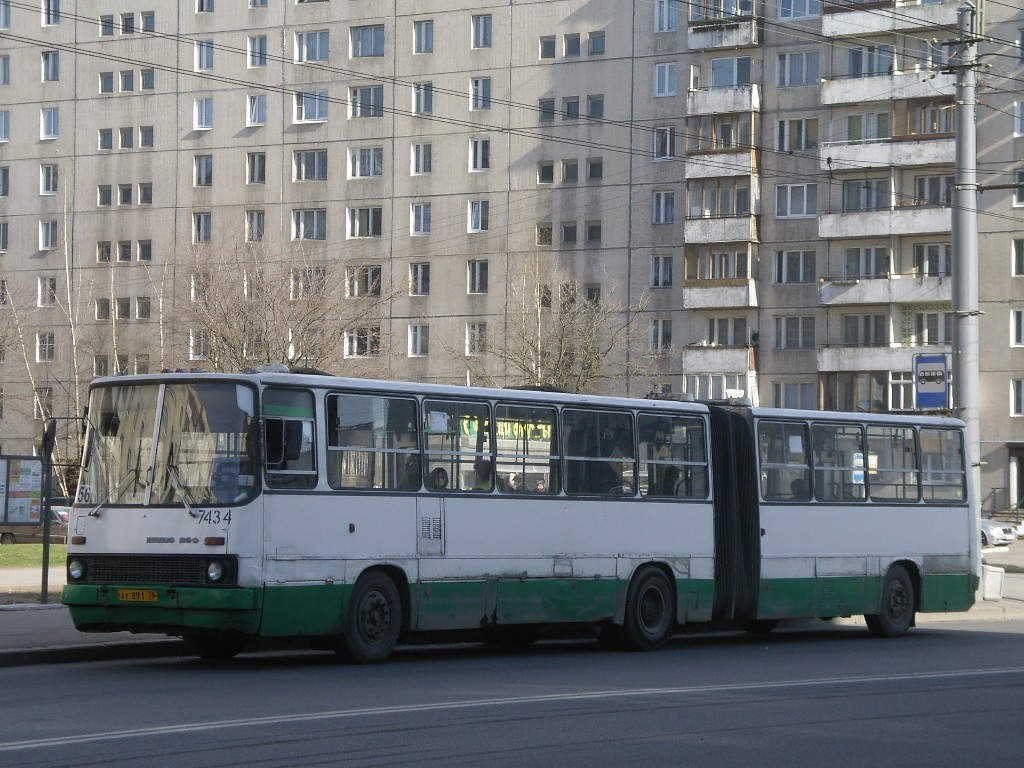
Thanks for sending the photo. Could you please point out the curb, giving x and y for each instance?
(149, 649)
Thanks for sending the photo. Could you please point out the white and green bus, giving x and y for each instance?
(355, 514)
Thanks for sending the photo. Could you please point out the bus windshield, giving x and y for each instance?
(174, 444)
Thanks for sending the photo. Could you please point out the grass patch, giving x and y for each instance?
(31, 555)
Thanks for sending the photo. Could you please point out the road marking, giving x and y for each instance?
(512, 701)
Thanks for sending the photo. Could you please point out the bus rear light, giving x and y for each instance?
(214, 541)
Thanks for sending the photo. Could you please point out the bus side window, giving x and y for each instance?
(783, 454)
(289, 438)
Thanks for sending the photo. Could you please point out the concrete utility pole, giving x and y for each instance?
(965, 239)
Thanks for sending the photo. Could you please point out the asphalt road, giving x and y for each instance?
(945, 695)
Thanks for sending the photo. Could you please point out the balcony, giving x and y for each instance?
(900, 152)
(705, 164)
(729, 32)
(719, 101)
(725, 293)
(896, 289)
(703, 357)
(721, 229)
(893, 357)
(904, 220)
(887, 87)
(846, 19)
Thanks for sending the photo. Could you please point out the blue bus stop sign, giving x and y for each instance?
(931, 381)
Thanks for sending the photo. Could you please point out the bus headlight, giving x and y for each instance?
(215, 571)
(76, 569)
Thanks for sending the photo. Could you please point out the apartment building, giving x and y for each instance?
(763, 188)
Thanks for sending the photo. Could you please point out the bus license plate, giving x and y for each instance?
(136, 595)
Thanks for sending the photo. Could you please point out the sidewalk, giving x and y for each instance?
(38, 634)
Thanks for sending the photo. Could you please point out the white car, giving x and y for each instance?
(994, 532)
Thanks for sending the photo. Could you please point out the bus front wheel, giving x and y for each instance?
(374, 620)
(650, 613)
(897, 609)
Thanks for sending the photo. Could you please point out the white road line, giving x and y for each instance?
(513, 701)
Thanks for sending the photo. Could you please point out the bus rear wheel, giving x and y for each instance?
(7, 538)
(897, 609)
(374, 620)
(650, 613)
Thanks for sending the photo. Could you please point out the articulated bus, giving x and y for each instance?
(355, 514)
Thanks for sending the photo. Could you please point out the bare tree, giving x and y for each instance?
(559, 332)
(245, 308)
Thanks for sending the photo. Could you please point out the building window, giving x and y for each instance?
(363, 281)
(312, 46)
(933, 328)
(100, 365)
(933, 190)
(146, 136)
(595, 44)
(661, 335)
(865, 330)
(106, 23)
(595, 168)
(311, 106)
(47, 235)
(365, 162)
(547, 110)
(309, 224)
(423, 36)
(661, 271)
(421, 160)
(204, 6)
(126, 138)
(730, 72)
(794, 201)
(868, 126)
(203, 55)
(124, 250)
(122, 308)
(571, 45)
(794, 332)
(51, 66)
(202, 113)
(1018, 176)
(367, 101)
(362, 342)
(479, 154)
(482, 31)
(422, 98)
(310, 164)
(476, 339)
(666, 15)
(148, 21)
(367, 41)
(307, 282)
(147, 79)
(665, 79)
(419, 340)
(794, 266)
(47, 179)
(1017, 268)
(419, 279)
(569, 235)
(198, 344)
(727, 331)
(45, 347)
(866, 195)
(256, 168)
(255, 222)
(799, 9)
(1017, 328)
(365, 222)
(933, 259)
(796, 394)
(5, 125)
(665, 142)
(664, 208)
(46, 292)
(869, 60)
(203, 170)
(145, 250)
(256, 109)
(797, 69)
(545, 172)
(547, 47)
(103, 252)
(869, 262)
(796, 135)
(257, 51)
(544, 233)
(595, 106)
(51, 12)
(476, 276)
(479, 211)
(202, 227)
(1017, 397)
(124, 194)
(5, 70)
(49, 123)
(480, 93)
(593, 229)
(419, 215)
(571, 108)
(127, 80)
(5, 181)
(570, 171)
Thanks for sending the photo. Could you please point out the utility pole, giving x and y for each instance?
(965, 238)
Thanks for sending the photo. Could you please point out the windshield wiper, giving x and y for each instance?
(116, 492)
(179, 487)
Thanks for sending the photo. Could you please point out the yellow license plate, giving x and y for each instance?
(136, 595)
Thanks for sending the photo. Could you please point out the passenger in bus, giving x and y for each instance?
(439, 479)
(410, 480)
(799, 490)
(670, 482)
(482, 476)
(539, 487)
(517, 483)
